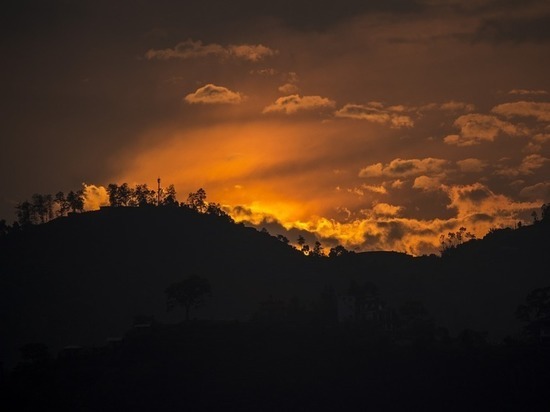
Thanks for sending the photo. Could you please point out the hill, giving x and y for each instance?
(81, 279)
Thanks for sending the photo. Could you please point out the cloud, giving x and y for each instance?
(524, 92)
(527, 166)
(190, 49)
(95, 197)
(267, 72)
(293, 103)
(250, 52)
(288, 88)
(212, 94)
(540, 111)
(376, 113)
(405, 167)
(477, 199)
(427, 183)
(387, 210)
(542, 137)
(356, 191)
(471, 165)
(476, 128)
(375, 189)
(538, 191)
(397, 184)
(454, 106)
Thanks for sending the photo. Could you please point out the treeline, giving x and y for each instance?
(42, 208)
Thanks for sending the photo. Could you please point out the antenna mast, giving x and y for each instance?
(158, 191)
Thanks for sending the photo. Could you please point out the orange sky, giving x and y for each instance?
(378, 127)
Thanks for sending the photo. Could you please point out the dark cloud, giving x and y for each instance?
(482, 217)
(515, 30)
(475, 195)
(394, 230)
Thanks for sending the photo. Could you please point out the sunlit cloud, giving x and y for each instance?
(524, 92)
(540, 111)
(537, 192)
(250, 52)
(528, 166)
(376, 113)
(294, 103)
(356, 190)
(477, 202)
(288, 88)
(477, 128)
(454, 106)
(471, 165)
(397, 184)
(212, 94)
(386, 210)
(405, 168)
(190, 49)
(95, 197)
(427, 183)
(375, 189)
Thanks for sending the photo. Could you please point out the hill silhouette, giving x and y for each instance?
(84, 278)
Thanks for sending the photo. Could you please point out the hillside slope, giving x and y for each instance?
(80, 279)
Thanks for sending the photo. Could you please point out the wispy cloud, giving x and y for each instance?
(212, 94)
(375, 112)
(294, 103)
(190, 49)
(405, 167)
(477, 128)
(540, 111)
(524, 92)
(454, 106)
(288, 88)
(529, 164)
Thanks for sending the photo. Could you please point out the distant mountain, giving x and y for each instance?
(81, 279)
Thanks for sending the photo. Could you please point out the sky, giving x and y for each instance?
(375, 125)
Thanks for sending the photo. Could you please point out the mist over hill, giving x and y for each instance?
(80, 279)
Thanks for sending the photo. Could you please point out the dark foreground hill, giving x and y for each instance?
(82, 279)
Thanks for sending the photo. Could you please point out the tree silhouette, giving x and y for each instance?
(4, 228)
(304, 247)
(283, 239)
(25, 213)
(535, 312)
(62, 205)
(365, 294)
(317, 250)
(168, 196)
(453, 240)
(339, 251)
(143, 196)
(76, 201)
(197, 201)
(545, 212)
(188, 293)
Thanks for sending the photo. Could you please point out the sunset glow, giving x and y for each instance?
(377, 128)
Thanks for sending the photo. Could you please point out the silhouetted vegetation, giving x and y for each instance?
(453, 240)
(535, 313)
(188, 293)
